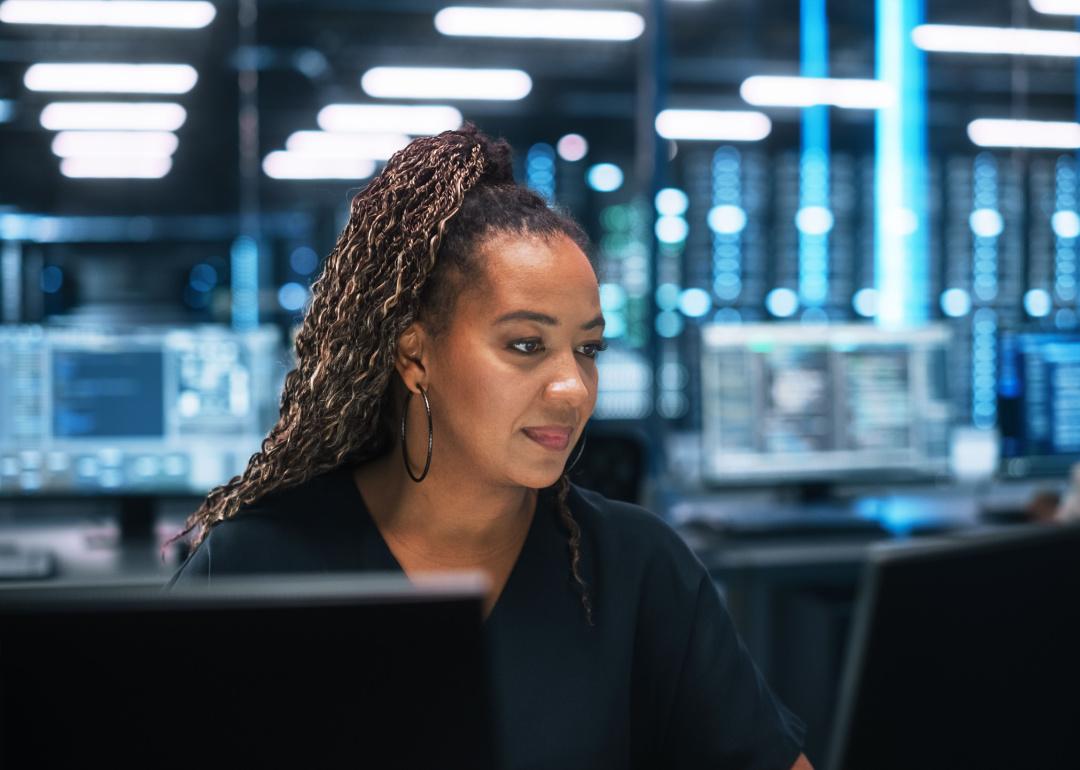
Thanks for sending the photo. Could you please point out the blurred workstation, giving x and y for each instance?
(837, 245)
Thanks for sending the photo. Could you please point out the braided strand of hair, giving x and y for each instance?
(561, 491)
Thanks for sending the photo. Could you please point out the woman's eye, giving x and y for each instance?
(524, 346)
(593, 349)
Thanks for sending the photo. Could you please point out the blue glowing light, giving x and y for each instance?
(901, 249)
(667, 296)
(955, 303)
(814, 220)
(695, 302)
(669, 324)
(986, 223)
(672, 202)
(671, 229)
(52, 278)
(612, 297)
(726, 219)
(303, 260)
(292, 296)
(605, 177)
(1038, 303)
(865, 302)
(1066, 224)
(203, 277)
(244, 256)
(614, 325)
(782, 302)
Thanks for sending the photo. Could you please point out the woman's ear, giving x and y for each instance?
(411, 359)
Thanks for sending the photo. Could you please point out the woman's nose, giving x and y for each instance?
(568, 383)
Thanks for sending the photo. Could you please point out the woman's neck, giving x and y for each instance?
(448, 519)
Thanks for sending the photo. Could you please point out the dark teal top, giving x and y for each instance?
(661, 680)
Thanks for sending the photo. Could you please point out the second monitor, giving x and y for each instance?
(819, 403)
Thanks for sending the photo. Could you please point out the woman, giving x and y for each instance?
(446, 369)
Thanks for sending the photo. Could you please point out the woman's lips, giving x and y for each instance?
(550, 438)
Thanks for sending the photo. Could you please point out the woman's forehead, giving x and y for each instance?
(536, 273)
(513, 259)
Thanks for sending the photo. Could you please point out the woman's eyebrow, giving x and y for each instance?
(543, 318)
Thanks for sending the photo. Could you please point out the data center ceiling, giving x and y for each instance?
(312, 52)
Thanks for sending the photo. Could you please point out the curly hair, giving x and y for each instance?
(411, 242)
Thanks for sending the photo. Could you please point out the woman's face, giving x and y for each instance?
(513, 380)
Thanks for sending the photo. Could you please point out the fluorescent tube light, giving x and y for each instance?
(716, 125)
(112, 78)
(67, 144)
(446, 83)
(849, 93)
(109, 13)
(420, 120)
(290, 165)
(120, 116)
(116, 167)
(347, 145)
(1060, 7)
(990, 132)
(561, 24)
(998, 40)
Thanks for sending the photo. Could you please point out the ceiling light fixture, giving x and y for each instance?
(559, 24)
(848, 93)
(446, 83)
(954, 38)
(174, 14)
(120, 116)
(993, 132)
(112, 78)
(714, 125)
(414, 120)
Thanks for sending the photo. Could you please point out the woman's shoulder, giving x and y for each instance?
(632, 530)
(286, 529)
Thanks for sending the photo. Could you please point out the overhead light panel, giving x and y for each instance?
(173, 14)
(348, 145)
(446, 83)
(67, 144)
(290, 165)
(556, 24)
(992, 132)
(118, 116)
(714, 125)
(1060, 7)
(954, 38)
(112, 78)
(848, 93)
(116, 167)
(419, 120)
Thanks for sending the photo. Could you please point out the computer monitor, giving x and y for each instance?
(819, 403)
(1039, 402)
(139, 410)
(350, 670)
(963, 654)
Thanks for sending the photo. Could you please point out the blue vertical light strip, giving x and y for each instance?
(986, 226)
(244, 258)
(900, 223)
(540, 171)
(814, 219)
(726, 220)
